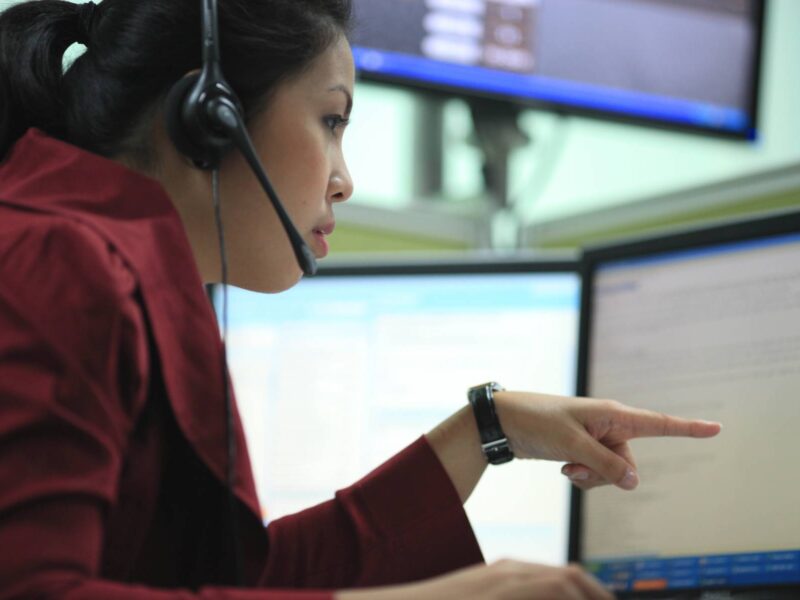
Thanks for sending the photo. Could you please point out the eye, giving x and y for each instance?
(335, 122)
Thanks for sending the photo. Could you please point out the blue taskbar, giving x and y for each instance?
(556, 91)
(691, 572)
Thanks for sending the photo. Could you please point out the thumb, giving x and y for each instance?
(606, 463)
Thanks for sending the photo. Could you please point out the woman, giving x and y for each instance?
(112, 468)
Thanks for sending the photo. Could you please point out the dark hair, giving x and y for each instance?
(137, 49)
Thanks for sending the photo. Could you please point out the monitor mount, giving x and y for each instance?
(497, 135)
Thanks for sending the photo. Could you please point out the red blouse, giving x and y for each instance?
(112, 435)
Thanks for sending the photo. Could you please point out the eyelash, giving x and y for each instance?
(334, 122)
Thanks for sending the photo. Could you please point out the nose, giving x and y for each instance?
(340, 186)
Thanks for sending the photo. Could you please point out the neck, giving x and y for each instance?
(189, 189)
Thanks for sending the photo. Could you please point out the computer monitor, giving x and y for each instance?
(703, 324)
(687, 64)
(339, 373)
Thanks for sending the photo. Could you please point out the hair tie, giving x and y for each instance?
(85, 14)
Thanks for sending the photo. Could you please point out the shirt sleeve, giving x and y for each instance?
(402, 522)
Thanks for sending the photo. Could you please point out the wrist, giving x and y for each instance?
(457, 431)
(456, 444)
(503, 408)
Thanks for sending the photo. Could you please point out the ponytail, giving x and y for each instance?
(33, 39)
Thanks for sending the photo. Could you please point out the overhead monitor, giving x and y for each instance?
(360, 362)
(705, 325)
(687, 64)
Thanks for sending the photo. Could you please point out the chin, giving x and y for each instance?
(271, 283)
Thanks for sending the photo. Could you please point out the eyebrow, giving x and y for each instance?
(346, 92)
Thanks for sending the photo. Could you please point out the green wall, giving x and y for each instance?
(755, 206)
(364, 240)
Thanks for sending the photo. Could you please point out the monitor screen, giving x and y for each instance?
(690, 64)
(709, 329)
(358, 363)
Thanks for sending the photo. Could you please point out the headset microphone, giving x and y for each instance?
(204, 120)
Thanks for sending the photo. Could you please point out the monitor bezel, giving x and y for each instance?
(468, 266)
(740, 230)
(748, 135)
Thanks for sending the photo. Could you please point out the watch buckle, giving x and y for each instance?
(495, 445)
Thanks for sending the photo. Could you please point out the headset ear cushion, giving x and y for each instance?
(177, 128)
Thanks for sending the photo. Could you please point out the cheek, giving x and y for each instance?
(301, 169)
(297, 162)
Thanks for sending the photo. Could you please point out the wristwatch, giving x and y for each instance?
(494, 442)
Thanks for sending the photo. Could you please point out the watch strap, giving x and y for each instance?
(494, 442)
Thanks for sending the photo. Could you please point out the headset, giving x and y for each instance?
(204, 120)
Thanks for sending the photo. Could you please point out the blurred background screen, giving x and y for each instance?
(686, 63)
(344, 370)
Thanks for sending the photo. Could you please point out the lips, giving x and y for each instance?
(326, 229)
(320, 233)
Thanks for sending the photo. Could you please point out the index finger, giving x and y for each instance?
(647, 423)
